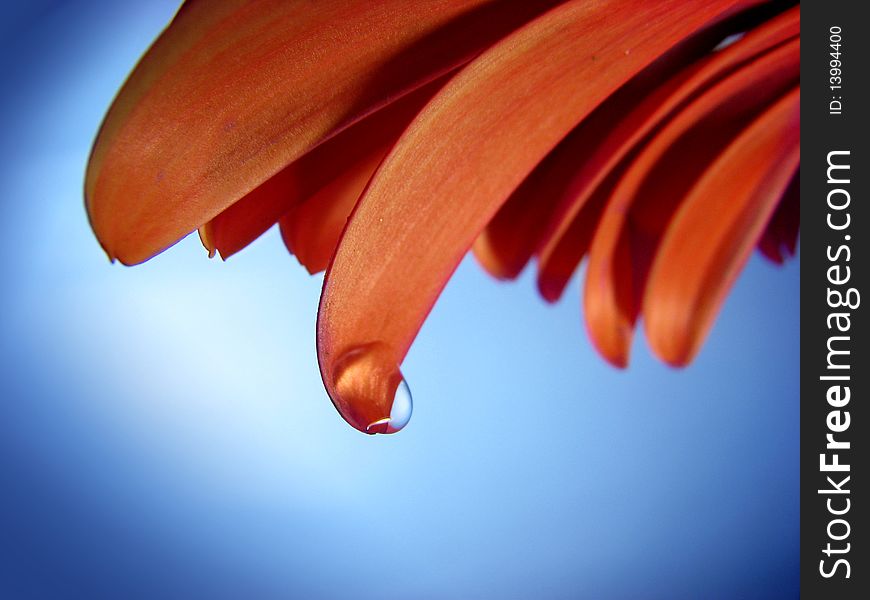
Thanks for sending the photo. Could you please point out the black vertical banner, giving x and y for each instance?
(835, 370)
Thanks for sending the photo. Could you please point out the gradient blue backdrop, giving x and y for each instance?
(164, 432)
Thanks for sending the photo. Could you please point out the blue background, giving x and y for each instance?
(164, 432)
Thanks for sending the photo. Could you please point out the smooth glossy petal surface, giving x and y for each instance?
(656, 182)
(235, 90)
(700, 256)
(323, 172)
(457, 163)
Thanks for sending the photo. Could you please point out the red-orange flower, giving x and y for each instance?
(660, 139)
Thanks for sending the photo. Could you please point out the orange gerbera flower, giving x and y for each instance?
(387, 138)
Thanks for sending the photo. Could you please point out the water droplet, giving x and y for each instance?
(400, 412)
(403, 406)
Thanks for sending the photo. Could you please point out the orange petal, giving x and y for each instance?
(457, 163)
(509, 240)
(779, 239)
(234, 90)
(712, 235)
(336, 161)
(312, 229)
(562, 261)
(657, 181)
(506, 244)
(559, 254)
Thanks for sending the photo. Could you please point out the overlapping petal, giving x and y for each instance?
(559, 252)
(565, 179)
(235, 90)
(387, 138)
(326, 175)
(457, 163)
(654, 185)
(701, 256)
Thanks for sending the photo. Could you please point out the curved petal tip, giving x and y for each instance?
(369, 391)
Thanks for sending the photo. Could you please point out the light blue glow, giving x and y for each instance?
(164, 430)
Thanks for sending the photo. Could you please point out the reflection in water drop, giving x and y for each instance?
(400, 412)
(402, 408)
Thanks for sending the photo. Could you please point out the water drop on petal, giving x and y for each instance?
(369, 391)
(403, 406)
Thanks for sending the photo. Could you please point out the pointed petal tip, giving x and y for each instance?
(114, 258)
(676, 356)
(700, 258)
(487, 257)
(551, 291)
(310, 269)
(205, 238)
(110, 256)
(610, 328)
(615, 357)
